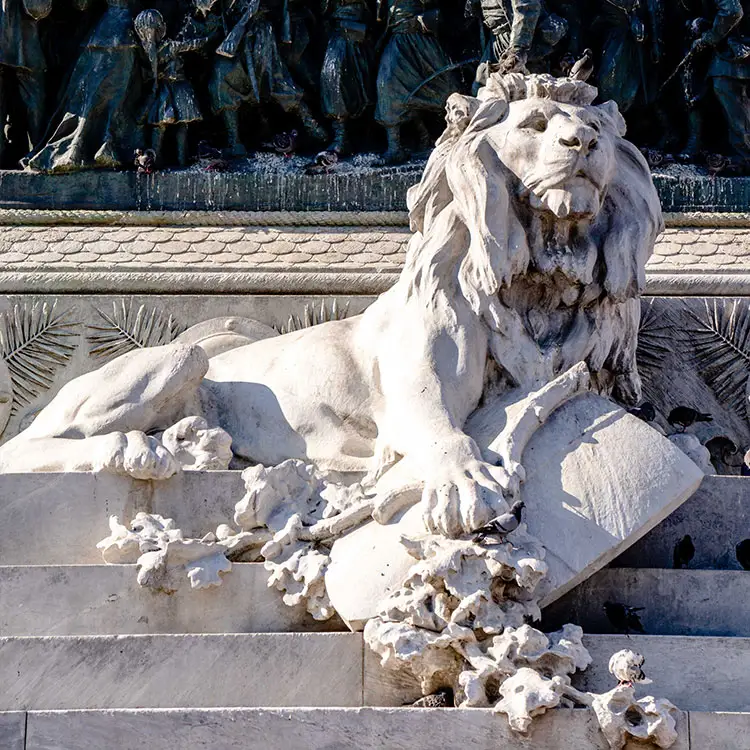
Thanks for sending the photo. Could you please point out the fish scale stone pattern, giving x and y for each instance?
(99, 247)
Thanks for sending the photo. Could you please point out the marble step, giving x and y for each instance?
(305, 729)
(39, 600)
(676, 602)
(697, 673)
(57, 519)
(106, 599)
(169, 671)
(312, 669)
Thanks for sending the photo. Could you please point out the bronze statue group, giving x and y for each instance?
(88, 83)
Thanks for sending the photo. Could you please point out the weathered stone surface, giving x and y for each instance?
(598, 480)
(695, 673)
(168, 671)
(39, 600)
(728, 731)
(13, 730)
(303, 729)
(709, 517)
(582, 515)
(677, 602)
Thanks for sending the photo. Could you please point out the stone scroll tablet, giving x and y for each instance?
(598, 480)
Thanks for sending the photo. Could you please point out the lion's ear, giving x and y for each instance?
(610, 112)
(489, 113)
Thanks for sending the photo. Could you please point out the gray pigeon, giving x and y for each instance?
(502, 525)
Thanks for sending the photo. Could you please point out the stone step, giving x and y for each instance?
(57, 519)
(697, 673)
(67, 514)
(169, 671)
(303, 729)
(289, 669)
(40, 600)
(717, 517)
(677, 602)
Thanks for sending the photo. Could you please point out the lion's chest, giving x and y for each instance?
(548, 307)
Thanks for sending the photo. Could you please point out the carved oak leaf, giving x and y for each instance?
(35, 344)
(130, 327)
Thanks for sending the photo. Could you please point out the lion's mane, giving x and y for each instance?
(465, 201)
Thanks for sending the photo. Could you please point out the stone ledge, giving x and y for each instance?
(169, 671)
(314, 729)
(258, 188)
(303, 260)
(46, 600)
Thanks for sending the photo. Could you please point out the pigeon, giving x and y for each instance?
(283, 143)
(501, 525)
(442, 698)
(624, 618)
(645, 411)
(742, 550)
(567, 61)
(144, 160)
(725, 455)
(627, 668)
(323, 163)
(685, 416)
(207, 151)
(684, 552)
(583, 68)
(716, 163)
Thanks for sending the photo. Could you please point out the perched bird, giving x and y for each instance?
(284, 143)
(207, 151)
(567, 61)
(144, 160)
(645, 411)
(684, 552)
(725, 455)
(583, 68)
(742, 550)
(685, 416)
(501, 525)
(627, 668)
(442, 698)
(716, 163)
(624, 618)
(323, 163)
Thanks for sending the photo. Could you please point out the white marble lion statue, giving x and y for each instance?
(527, 258)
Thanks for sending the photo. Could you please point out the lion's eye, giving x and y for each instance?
(537, 123)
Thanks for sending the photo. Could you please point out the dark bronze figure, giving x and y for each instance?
(249, 70)
(21, 57)
(174, 105)
(346, 78)
(98, 123)
(415, 74)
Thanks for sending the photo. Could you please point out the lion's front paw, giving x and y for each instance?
(143, 457)
(463, 497)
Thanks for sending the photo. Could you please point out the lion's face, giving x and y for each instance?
(562, 154)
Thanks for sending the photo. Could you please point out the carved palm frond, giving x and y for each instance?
(720, 335)
(312, 316)
(655, 340)
(130, 327)
(35, 344)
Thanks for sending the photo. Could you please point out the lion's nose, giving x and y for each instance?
(579, 137)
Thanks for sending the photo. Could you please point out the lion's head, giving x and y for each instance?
(543, 186)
